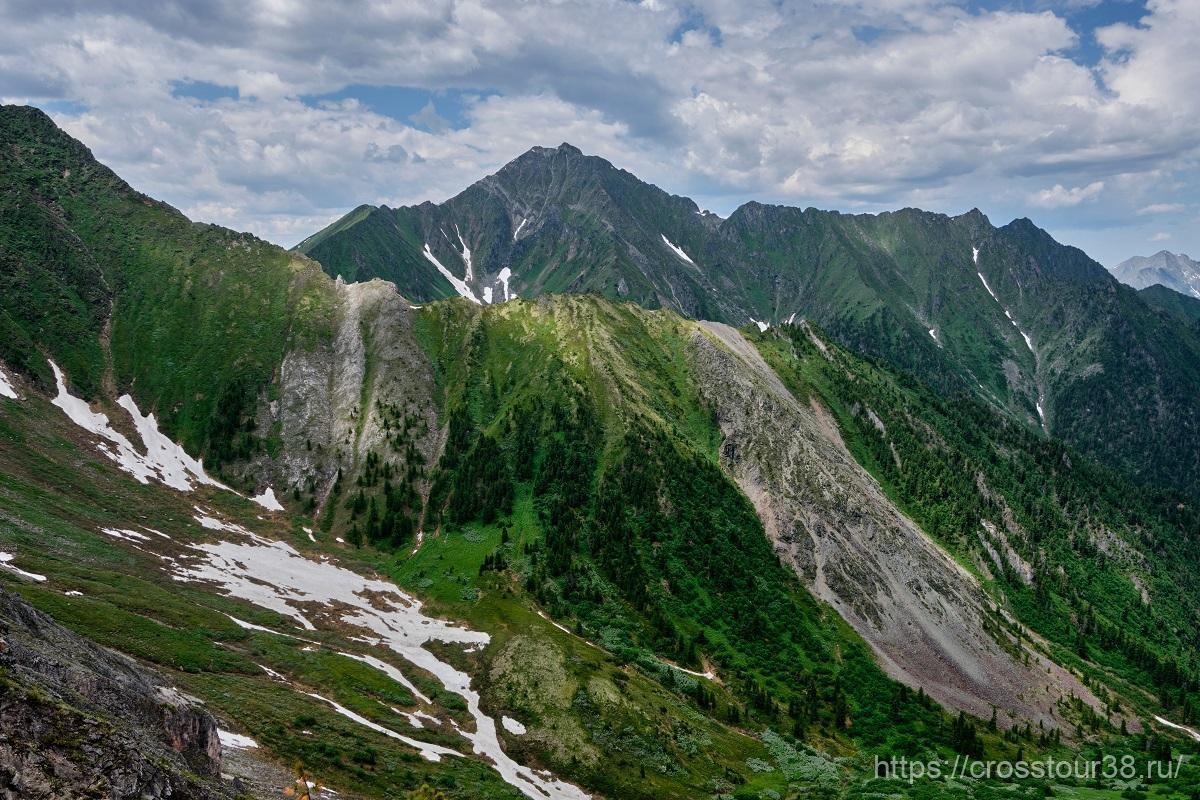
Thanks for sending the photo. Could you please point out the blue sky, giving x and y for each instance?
(277, 116)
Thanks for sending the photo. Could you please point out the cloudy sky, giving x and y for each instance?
(276, 116)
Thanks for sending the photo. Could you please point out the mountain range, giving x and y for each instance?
(598, 534)
(1007, 314)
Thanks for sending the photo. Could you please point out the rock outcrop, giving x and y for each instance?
(79, 721)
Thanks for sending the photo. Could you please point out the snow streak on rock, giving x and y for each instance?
(503, 277)
(457, 283)
(466, 256)
(677, 250)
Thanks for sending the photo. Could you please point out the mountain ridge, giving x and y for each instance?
(1004, 312)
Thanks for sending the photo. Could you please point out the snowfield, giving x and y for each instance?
(275, 576)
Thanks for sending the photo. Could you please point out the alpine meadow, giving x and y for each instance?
(567, 486)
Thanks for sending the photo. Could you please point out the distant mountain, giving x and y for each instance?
(1006, 313)
(1173, 270)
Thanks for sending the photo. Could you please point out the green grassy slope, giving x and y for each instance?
(196, 318)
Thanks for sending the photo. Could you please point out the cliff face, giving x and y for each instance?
(77, 720)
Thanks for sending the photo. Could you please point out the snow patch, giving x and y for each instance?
(6, 389)
(989, 288)
(6, 562)
(762, 326)
(164, 460)
(458, 284)
(250, 626)
(791, 319)
(414, 717)
(710, 675)
(503, 277)
(517, 232)
(975, 256)
(1189, 731)
(512, 726)
(677, 249)
(73, 593)
(275, 576)
(933, 333)
(391, 672)
(214, 524)
(268, 501)
(429, 752)
(127, 535)
(1025, 336)
(235, 740)
(487, 294)
(466, 256)
(175, 467)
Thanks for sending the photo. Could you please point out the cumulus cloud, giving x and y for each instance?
(863, 104)
(1058, 196)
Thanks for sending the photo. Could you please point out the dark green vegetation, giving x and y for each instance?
(1183, 307)
(1088, 548)
(1115, 379)
(578, 477)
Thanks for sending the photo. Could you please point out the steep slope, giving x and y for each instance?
(556, 219)
(1078, 554)
(1181, 306)
(127, 294)
(1036, 328)
(1174, 271)
(925, 615)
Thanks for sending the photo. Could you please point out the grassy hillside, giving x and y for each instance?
(128, 295)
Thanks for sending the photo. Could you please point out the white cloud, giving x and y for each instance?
(938, 106)
(1161, 236)
(1058, 196)
(1161, 208)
